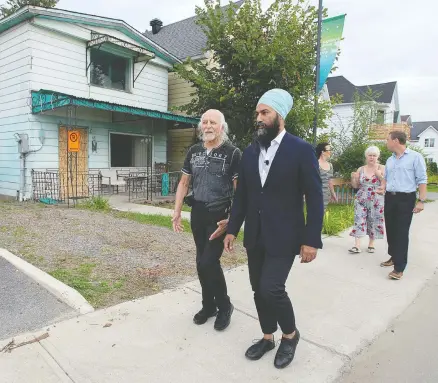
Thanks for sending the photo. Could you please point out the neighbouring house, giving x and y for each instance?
(387, 104)
(80, 96)
(424, 134)
(184, 39)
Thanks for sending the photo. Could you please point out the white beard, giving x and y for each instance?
(209, 137)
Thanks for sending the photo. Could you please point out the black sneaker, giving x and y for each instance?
(202, 316)
(260, 348)
(286, 351)
(223, 318)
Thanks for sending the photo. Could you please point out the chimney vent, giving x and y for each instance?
(156, 25)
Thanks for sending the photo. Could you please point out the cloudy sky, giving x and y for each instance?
(385, 40)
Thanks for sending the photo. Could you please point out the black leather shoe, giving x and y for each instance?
(223, 318)
(286, 351)
(202, 316)
(256, 351)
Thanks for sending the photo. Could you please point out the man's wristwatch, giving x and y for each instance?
(421, 200)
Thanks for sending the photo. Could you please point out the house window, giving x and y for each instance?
(429, 160)
(130, 150)
(380, 119)
(429, 143)
(108, 70)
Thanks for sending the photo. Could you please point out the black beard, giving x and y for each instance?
(266, 133)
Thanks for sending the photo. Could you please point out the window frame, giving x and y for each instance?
(128, 71)
(429, 142)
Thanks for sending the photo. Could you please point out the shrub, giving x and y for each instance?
(353, 157)
(96, 203)
(432, 168)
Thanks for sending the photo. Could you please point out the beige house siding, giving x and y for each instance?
(380, 132)
(179, 141)
(179, 91)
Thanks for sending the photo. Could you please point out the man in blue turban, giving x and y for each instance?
(276, 171)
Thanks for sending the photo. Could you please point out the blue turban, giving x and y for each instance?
(279, 100)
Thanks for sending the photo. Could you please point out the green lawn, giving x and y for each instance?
(152, 219)
(338, 218)
(81, 279)
(432, 188)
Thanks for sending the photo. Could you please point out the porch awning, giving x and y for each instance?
(44, 100)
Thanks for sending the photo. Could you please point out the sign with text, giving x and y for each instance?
(74, 141)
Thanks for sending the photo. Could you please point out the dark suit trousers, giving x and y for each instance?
(398, 218)
(268, 274)
(208, 254)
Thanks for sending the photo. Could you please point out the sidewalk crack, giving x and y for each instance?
(326, 348)
(57, 363)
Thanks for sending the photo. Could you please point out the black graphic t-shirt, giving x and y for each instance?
(212, 173)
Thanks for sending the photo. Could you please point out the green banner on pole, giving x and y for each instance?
(331, 36)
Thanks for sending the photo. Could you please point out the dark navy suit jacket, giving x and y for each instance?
(274, 213)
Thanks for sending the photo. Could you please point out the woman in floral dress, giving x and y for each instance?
(369, 201)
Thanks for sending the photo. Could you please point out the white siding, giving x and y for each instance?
(341, 119)
(99, 125)
(430, 152)
(51, 55)
(59, 63)
(15, 59)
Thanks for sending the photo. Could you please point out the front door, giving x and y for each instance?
(73, 163)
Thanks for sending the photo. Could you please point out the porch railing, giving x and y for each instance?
(345, 193)
(142, 186)
(53, 186)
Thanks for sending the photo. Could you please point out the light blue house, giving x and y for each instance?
(79, 93)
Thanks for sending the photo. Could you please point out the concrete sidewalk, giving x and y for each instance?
(342, 303)
(121, 203)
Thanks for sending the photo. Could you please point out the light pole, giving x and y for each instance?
(318, 56)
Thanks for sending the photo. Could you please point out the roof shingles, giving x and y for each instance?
(420, 127)
(340, 85)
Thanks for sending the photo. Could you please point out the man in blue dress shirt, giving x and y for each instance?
(405, 171)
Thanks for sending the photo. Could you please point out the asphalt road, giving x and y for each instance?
(25, 305)
(407, 351)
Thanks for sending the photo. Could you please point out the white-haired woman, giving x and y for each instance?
(369, 202)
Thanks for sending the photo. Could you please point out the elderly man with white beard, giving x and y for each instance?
(212, 167)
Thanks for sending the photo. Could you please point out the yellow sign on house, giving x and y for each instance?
(74, 139)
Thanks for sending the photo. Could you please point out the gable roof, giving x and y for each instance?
(184, 38)
(420, 127)
(405, 117)
(340, 85)
(28, 12)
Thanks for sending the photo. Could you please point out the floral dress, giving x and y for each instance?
(368, 209)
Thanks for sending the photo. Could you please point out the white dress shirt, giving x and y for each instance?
(267, 156)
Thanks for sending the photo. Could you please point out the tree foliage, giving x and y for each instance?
(12, 6)
(251, 52)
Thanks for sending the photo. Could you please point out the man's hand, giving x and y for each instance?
(419, 207)
(221, 229)
(334, 198)
(229, 243)
(176, 223)
(307, 254)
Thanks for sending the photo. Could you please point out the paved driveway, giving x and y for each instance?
(25, 305)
